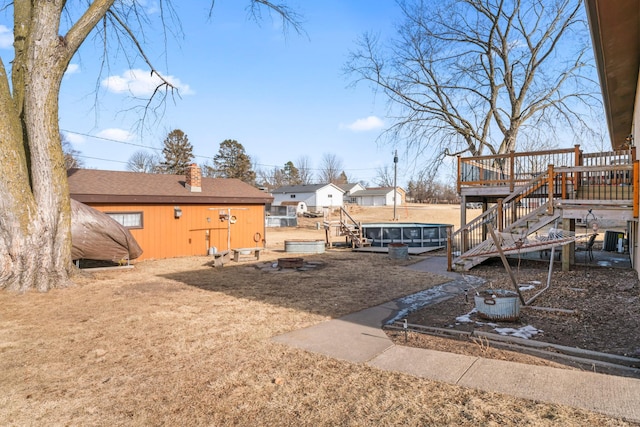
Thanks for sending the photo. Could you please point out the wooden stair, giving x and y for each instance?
(352, 230)
(516, 239)
(517, 234)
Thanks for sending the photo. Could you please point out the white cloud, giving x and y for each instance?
(366, 124)
(74, 138)
(115, 134)
(73, 69)
(141, 83)
(6, 37)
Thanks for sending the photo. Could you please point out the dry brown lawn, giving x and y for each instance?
(177, 342)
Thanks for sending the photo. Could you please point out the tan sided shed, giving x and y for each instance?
(176, 215)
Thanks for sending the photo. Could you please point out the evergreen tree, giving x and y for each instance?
(208, 169)
(178, 153)
(233, 162)
(291, 174)
(342, 179)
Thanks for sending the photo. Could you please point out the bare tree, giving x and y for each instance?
(426, 189)
(35, 231)
(470, 76)
(330, 169)
(305, 172)
(271, 178)
(144, 161)
(384, 176)
(71, 159)
(277, 177)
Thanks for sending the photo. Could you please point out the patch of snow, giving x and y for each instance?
(526, 288)
(466, 318)
(525, 332)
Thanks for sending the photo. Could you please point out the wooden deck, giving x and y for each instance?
(522, 192)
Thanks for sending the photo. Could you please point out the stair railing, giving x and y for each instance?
(356, 238)
(502, 215)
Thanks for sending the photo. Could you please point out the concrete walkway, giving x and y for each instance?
(358, 338)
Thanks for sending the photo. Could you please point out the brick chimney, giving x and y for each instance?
(193, 181)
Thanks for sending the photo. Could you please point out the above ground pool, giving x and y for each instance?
(413, 234)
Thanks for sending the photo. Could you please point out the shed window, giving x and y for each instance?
(293, 196)
(127, 219)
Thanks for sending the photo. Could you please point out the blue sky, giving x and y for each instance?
(282, 97)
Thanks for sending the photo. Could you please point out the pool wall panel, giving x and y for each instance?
(412, 234)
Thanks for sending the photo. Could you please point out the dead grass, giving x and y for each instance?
(176, 342)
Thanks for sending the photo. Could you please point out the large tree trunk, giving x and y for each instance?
(35, 236)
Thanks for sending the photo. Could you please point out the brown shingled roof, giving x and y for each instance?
(100, 186)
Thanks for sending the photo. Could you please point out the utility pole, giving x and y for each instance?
(395, 184)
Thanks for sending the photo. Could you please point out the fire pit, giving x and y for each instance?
(290, 262)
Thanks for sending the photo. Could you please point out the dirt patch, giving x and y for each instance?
(592, 309)
(178, 342)
(599, 307)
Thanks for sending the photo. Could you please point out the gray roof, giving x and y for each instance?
(347, 187)
(303, 188)
(373, 192)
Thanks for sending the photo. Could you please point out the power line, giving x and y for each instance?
(98, 158)
(121, 142)
(195, 155)
(110, 139)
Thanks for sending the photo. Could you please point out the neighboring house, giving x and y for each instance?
(176, 215)
(615, 32)
(349, 189)
(381, 196)
(315, 196)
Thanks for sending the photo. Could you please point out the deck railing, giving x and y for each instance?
(512, 169)
(587, 176)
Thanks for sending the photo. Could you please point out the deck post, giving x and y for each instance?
(465, 241)
(512, 177)
(577, 162)
(449, 250)
(500, 219)
(550, 182)
(463, 210)
(459, 174)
